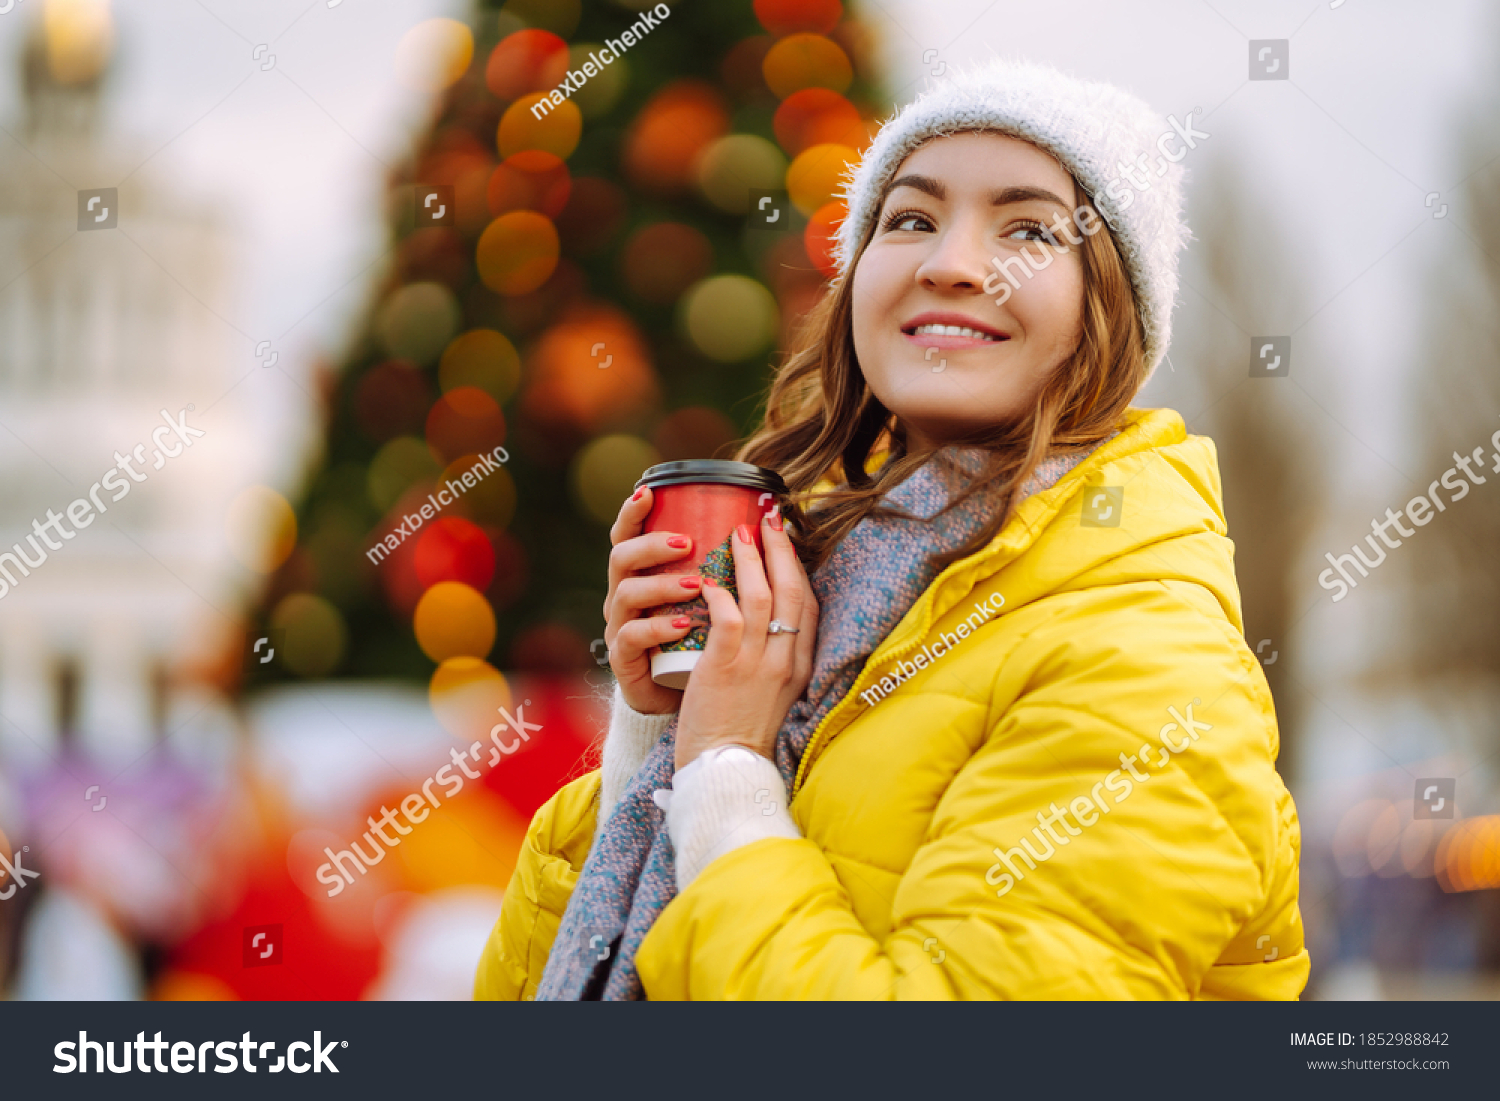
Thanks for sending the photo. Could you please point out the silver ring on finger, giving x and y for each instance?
(776, 627)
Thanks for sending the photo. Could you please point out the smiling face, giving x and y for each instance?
(958, 206)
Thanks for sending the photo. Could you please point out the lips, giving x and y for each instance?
(965, 332)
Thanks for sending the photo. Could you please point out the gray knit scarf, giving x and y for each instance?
(864, 589)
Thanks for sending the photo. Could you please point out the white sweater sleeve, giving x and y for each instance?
(727, 797)
(630, 738)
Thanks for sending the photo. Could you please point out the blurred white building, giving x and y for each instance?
(99, 331)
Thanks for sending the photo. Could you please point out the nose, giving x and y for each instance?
(958, 260)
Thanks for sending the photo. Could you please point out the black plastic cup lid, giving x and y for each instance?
(714, 471)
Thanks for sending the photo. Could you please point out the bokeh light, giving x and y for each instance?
(663, 143)
(605, 471)
(568, 383)
(601, 91)
(417, 321)
(434, 54)
(1468, 856)
(517, 252)
(556, 132)
(662, 260)
(481, 358)
(817, 116)
(454, 549)
(80, 37)
(453, 620)
(729, 317)
(313, 635)
(806, 61)
(463, 421)
(261, 527)
(782, 17)
(815, 177)
(398, 571)
(474, 839)
(466, 694)
(532, 180)
(492, 500)
(530, 60)
(729, 167)
(395, 467)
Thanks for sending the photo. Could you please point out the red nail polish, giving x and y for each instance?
(743, 531)
(682, 621)
(776, 520)
(636, 496)
(690, 582)
(678, 541)
(710, 583)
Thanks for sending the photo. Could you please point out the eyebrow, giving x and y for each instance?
(1000, 197)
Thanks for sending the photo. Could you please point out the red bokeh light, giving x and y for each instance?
(817, 116)
(531, 180)
(791, 16)
(454, 549)
(526, 61)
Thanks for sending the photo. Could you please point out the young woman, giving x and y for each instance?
(989, 728)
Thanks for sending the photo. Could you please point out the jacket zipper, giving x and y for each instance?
(814, 742)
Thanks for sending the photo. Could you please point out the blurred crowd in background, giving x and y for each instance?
(348, 245)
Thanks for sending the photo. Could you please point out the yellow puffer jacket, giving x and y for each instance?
(1076, 799)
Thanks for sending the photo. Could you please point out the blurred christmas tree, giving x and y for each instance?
(616, 216)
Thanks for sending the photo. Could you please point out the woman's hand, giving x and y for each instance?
(748, 679)
(628, 635)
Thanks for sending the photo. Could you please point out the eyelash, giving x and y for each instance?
(892, 219)
(896, 217)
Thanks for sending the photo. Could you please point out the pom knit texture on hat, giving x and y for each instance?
(1091, 128)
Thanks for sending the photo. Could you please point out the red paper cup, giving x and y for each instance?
(705, 499)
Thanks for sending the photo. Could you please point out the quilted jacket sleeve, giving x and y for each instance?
(557, 843)
(1113, 834)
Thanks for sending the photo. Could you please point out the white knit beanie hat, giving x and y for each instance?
(1095, 130)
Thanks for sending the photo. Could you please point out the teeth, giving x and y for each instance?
(951, 330)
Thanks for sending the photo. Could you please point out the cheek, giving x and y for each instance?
(1052, 307)
(872, 292)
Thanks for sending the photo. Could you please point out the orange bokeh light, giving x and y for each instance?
(453, 620)
(466, 694)
(556, 132)
(791, 16)
(816, 177)
(806, 61)
(672, 129)
(517, 252)
(568, 385)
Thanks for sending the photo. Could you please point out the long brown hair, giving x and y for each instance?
(822, 419)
